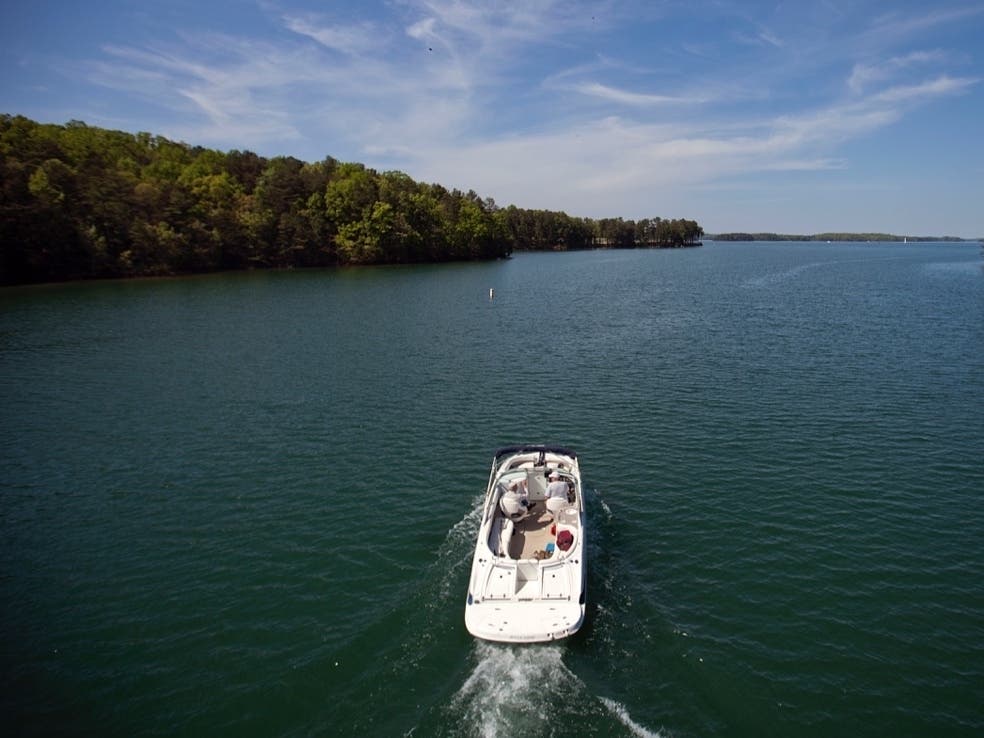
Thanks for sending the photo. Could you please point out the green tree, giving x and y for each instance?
(78, 201)
(366, 241)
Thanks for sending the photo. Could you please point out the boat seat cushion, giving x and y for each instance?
(536, 485)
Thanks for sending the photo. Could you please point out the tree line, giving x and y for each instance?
(826, 237)
(80, 202)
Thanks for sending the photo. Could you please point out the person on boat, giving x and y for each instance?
(556, 493)
(515, 502)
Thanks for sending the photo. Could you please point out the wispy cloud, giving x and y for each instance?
(759, 37)
(807, 165)
(495, 25)
(423, 30)
(628, 161)
(237, 87)
(505, 98)
(943, 85)
(351, 39)
(771, 38)
(865, 74)
(626, 97)
(898, 25)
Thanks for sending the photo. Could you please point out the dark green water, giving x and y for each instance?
(245, 505)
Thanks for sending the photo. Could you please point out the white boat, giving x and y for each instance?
(528, 574)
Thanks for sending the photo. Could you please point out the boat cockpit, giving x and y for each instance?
(533, 521)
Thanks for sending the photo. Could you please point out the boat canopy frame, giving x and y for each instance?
(528, 448)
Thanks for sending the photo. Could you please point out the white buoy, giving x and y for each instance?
(491, 293)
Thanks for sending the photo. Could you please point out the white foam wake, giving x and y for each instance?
(521, 690)
(772, 278)
(512, 689)
(619, 711)
(456, 550)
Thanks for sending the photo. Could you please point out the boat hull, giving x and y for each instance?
(527, 582)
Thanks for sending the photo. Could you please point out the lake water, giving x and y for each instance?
(245, 505)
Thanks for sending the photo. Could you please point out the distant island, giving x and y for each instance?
(81, 202)
(828, 237)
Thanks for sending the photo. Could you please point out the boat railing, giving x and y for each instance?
(491, 499)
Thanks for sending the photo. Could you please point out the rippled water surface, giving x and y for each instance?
(245, 504)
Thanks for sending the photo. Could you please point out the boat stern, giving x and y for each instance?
(523, 622)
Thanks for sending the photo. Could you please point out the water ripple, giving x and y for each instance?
(246, 504)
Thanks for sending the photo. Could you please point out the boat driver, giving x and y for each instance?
(556, 493)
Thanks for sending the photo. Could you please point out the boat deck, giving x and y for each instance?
(532, 534)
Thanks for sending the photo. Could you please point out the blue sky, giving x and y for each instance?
(794, 117)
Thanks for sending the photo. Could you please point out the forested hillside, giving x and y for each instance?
(81, 202)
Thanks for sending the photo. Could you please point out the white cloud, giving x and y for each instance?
(423, 30)
(495, 25)
(943, 85)
(605, 166)
(595, 89)
(895, 25)
(807, 165)
(352, 40)
(762, 37)
(612, 165)
(771, 39)
(865, 74)
(479, 96)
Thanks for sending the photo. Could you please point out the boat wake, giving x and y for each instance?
(512, 689)
(622, 714)
(521, 690)
(452, 556)
(773, 278)
(604, 505)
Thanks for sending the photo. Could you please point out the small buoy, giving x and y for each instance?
(491, 293)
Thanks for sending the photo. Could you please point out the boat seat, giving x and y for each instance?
(505, 537)
(555, 505)
(536, 485)
(569, 516)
